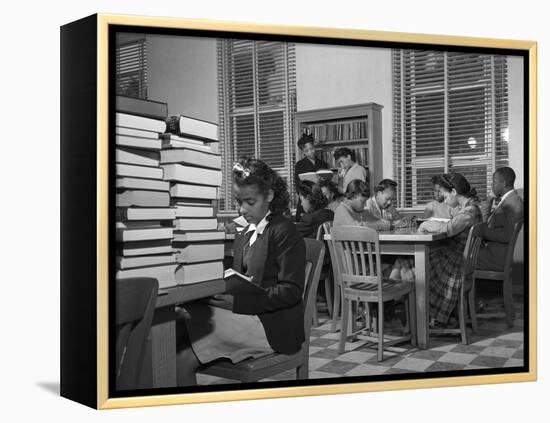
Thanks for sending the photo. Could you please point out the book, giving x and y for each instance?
(180, 124)
(199, 272)
(237, 283)
(165, 274)
(139, 171)
(144, 261)
(138, 224)
(137, 133)
(198, 252)
(138, 214)
(321, 174)
(137, 157)
(167, 136)
(142, 248)
(194, 202)
(144, 143)
(142, 198)
(139, 122)
(144, 184)
(192, 157)
(141, 107)
(192, 175)
(199, 236)
(143, 234)
(195, 224)
(194, 211)
(193, 191)
(169, 141)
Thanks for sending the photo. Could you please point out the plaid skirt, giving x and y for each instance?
(446, 277)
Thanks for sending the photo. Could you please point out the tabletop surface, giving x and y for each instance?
(407, 235)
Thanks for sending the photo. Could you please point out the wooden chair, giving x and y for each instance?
(357, 251)
(466, 295)
(505, 276)
(135, 305)
(326, 273)
(252, 370)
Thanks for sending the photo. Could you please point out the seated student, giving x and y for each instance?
(310, 163)
(500, 219)
(446, 276)
(380, 204)
(349, 169)
(438, 207)
(330, 190)
(270, 250)
(316, 213)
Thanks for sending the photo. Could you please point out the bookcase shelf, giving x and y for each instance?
(357, 126)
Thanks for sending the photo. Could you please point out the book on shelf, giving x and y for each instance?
(194, 211)
(165, 274)
(237, 283)
(191, 157)
(194, 191)
(136, 133)
(135, 142)
(198, 252)
(137, 157)
(171, 141)
(148, 213)
(199, 272)
(142, 184)
(142, 248)
(143, 234)
(315, 177)
(198, 236)
(134, 171)
(142, 198)
(186, 125)
(192, 175)
(141, 107)
(194, 202)
(195, 224)
(144, 261)
(139, 122)
(138, 224)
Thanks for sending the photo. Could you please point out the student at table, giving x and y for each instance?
(381, 204)
(315, 207)
(437, 207)
(446, 263)
(330, 190)
(270, 250)
(349, 168)
(309, 163)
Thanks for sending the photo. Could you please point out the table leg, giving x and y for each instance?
(421, 270)
(163, 345)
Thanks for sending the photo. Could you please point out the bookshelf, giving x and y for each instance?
(357, 126)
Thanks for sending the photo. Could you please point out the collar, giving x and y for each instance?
(259, 228)
(504, 197)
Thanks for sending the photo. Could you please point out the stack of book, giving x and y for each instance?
(192, 165)
(144, 214)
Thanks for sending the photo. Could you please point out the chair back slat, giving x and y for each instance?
(471, 250)
(512, 245)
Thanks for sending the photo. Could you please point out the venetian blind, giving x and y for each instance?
(450, 114)
(131, 69)
(257, 88)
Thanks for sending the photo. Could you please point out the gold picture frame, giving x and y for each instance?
(86, 104)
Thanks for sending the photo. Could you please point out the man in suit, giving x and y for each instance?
(501, 217)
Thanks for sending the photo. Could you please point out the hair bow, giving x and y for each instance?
(240, 168)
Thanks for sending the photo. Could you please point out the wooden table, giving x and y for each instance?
(410, 242)
(163, 331)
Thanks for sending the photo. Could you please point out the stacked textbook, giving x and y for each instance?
(192, 165)
(144, 214)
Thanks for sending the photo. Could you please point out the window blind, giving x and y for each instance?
(450, 114)
(257, 88)
(131, 69)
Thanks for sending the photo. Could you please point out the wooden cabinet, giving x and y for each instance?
(357, 126)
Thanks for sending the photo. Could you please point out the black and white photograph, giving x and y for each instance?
(294, 212)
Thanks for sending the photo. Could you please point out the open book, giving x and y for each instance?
(237, 283)
(321, 174)
(434, 219)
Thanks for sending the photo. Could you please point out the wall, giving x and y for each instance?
(329, 76)
(515, 116)
(182, 71)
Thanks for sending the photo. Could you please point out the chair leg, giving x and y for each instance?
(462, 317)
(315, 316)
(302, 372)
(328, 293)
(411, 316)
(508, 299)
(337, 306)
(380, 331)
(344, 329)
(472, 308)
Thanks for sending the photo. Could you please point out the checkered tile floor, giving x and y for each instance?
(493, 346)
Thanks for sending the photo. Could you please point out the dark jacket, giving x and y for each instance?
(277, 264)
(304, 166)
(310, 222)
